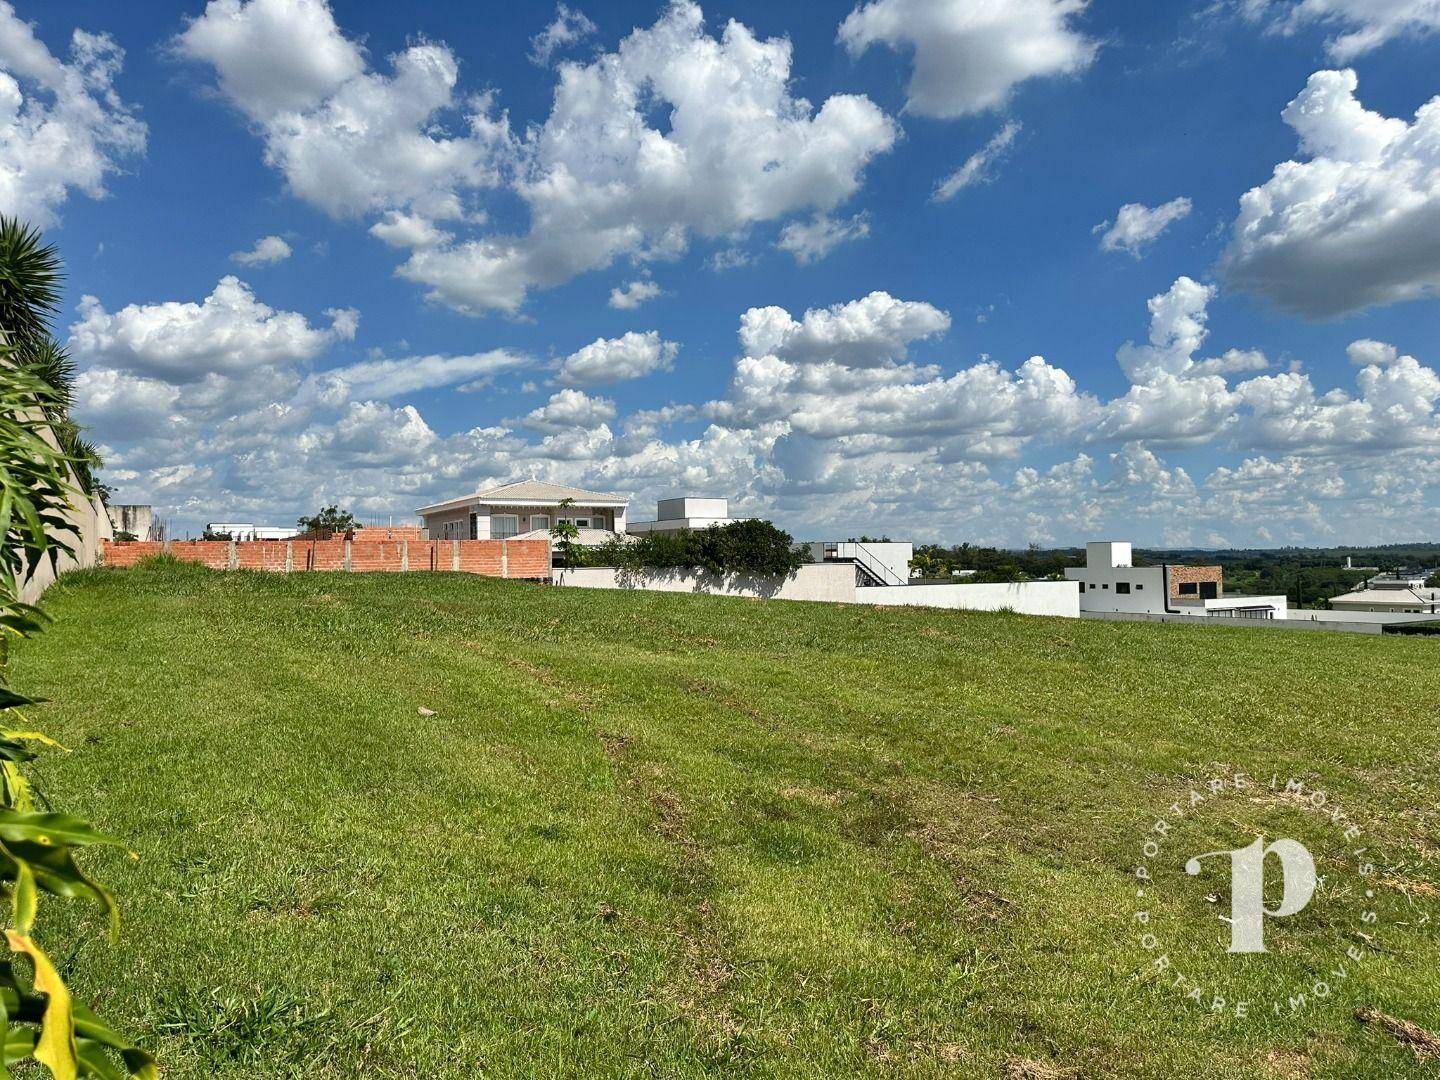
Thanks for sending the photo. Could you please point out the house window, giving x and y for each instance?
(578, 522)
(539, 521)
(1122, 587)
(1105, 586)
(1138, 586)
(1189, 588)
(504, 525)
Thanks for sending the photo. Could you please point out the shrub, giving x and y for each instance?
(741, 547)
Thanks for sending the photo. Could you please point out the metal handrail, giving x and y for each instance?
(875, 568)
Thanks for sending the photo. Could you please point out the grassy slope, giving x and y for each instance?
(670, 835)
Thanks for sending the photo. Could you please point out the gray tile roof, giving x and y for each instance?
(541, 489)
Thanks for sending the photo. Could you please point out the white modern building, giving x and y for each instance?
(687, 512)
(1110, 582)
(526, 509)
(245, 530)
(877, 562)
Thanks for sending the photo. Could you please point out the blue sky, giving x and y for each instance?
(449, 211)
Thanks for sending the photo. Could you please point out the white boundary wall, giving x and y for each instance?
(833, 582)
(1058, 598)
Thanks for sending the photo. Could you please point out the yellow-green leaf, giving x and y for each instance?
(56, 1046)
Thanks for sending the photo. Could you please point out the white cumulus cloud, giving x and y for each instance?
(615, 359)
(631, 296)
(267, 251)
(569, 26)
(810, 241)
(1137, 225)
(349, 140)
(862, 333)
(568, 410)
(1354, 226)
(969, 56)
(229, 332)
(603, 181)
(62, 124)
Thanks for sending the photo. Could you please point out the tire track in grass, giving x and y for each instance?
(703, 996)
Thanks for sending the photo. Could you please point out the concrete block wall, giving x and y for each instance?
(491, 558)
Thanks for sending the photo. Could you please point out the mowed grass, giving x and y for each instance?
(661, 835)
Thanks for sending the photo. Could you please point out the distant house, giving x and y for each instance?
(1110, 582)
(526, 509)
(1399, 597)
(676, 515)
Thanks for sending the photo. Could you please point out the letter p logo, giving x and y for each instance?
(1247, 888)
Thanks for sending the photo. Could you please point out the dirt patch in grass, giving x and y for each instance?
(1426, 1044)
(1029, 1069)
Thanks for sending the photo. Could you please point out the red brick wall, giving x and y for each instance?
(260, 555)
(212, 553)
(492, 558)
(394, 532)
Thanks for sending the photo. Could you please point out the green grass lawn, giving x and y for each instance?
(661, 835)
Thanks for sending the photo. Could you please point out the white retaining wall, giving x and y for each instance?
(834, 582)
(1060, 598)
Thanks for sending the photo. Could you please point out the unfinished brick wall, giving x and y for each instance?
(1196, 574)
(369, 533)
(491, 558)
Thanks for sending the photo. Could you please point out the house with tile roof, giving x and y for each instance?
(526, 509)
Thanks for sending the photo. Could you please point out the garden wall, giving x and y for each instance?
(492, 558)
(1060, 598)
(815, 581)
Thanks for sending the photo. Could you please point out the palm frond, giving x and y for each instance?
(30, 277)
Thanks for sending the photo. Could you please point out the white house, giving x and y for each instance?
(1109, 581)
(526, 509)
(245, 530)
(1398, 597)
(675, 515)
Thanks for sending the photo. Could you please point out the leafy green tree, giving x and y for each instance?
(39, 1019)
(329, 520)
(741, 547)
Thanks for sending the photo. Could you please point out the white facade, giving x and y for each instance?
(527, 506)
(884, 562)
(675, 515)
(1110, 583)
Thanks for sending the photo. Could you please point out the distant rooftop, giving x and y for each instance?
(530, 491)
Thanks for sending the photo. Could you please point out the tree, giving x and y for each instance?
(38, 849)
(565, 534)
(30, 277)
(329, 520)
